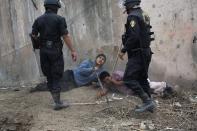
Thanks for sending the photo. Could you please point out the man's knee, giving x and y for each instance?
(134, 85)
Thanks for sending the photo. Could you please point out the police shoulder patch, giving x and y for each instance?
(132, 23)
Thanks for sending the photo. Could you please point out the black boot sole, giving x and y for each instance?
(148, 108)
(151, 110)
(60, 107)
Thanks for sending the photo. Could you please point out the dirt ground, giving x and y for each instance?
(24, 111)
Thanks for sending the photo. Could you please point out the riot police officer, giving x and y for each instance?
(136, 43)
(50, 28)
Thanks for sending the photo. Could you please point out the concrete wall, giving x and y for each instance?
(175, 25)
(96, 26)
(18, 63)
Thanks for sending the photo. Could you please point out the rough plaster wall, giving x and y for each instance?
(98, 24)
(17, 61)
(175, 26)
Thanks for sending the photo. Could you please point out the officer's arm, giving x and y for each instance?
(65, 34)
(117, 83)
(133, 34)
(67, 38)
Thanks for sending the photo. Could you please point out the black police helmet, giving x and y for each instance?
(131, 2)
(52, 2)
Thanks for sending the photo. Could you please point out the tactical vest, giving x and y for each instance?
(145, 27)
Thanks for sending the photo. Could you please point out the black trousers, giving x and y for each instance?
(136, 72)
(68, 82)
(52, 65)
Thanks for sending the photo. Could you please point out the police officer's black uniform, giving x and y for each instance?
(136, 41)
(50, 27)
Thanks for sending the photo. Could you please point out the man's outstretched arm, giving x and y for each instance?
(115, 82)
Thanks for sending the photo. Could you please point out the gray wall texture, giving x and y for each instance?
(96, 26)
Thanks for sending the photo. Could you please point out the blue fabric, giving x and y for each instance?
(84, 73)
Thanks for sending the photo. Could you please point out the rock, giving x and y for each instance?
(169, 128)
(11, 128)
(4, 88)
(114, 97)
(193, 99)
(157, 103)
(16, 89)
(92, 129)
(142, 126)
(177, 104)
(151, 126)
(125, 124)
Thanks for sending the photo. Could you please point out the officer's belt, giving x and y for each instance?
(51, 44)
(139, 49)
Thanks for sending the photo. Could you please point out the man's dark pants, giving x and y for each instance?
(52, 65)
(136, 72)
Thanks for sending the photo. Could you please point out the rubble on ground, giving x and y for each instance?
(23, 111)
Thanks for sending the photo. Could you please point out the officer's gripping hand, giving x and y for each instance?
(74, 55)
(121, 55)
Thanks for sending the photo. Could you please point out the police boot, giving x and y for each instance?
(58, 105)
(148, 104)
(150, 110)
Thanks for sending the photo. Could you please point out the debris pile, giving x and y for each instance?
(177, 113)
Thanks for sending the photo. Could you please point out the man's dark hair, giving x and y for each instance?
(103, 55)
(103, 75)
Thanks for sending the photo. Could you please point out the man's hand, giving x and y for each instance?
(74, 55)
(101, 94)
(121, 55)
(98, 95)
